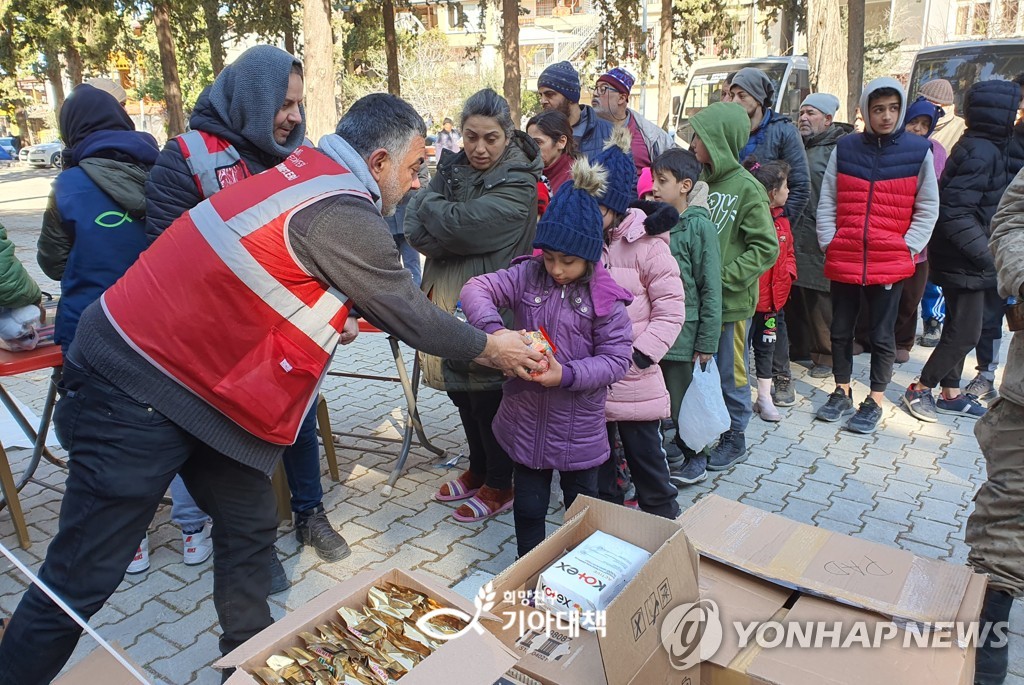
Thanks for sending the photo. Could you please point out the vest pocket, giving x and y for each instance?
(267, 390)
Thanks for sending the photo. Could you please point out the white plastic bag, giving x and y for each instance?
(702, 414)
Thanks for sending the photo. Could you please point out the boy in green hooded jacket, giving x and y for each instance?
(749, 247)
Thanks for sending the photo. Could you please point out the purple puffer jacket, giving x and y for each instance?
(557, 428)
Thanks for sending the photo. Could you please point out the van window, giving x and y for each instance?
(798, 88)
(965, 66)
(706, 84)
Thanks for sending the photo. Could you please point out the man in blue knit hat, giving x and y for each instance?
(611, 102)
(559, 89)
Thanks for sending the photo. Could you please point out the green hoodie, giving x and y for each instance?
(739, 208)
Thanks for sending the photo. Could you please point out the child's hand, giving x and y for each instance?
(702, 359)
(551, 378)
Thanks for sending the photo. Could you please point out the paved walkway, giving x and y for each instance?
(909, 486)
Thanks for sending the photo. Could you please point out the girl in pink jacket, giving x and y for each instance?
(637, 255)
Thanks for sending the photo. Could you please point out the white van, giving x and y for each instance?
(964, 64)
(789, 75)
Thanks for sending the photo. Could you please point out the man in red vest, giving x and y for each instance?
(204, 358)
(237, 131)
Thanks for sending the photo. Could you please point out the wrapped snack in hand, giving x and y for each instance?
(540, 341)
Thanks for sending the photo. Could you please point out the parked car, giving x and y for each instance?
(964, 64)
(45, 155)
(789, 75)
(7, 145)
(23, 154)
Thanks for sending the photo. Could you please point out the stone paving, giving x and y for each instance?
(911, 486)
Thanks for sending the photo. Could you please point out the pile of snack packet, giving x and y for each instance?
(375, 646)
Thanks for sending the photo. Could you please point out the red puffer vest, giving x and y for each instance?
(876, 186)
(777, 281)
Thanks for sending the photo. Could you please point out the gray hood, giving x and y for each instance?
(883, 82)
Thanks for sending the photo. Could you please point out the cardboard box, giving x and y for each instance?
(474, 658)
(100, 667)
(778, 571)
(630, 652)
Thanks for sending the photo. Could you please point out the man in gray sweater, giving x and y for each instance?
(994, 531)
(134, 409)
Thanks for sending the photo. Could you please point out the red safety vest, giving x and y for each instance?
(221, 304)
(214, 162)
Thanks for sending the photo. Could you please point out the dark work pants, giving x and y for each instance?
(764, 334)
(642, 443)
(122, 457)
(965, 311)
(533, 497)
(302, 466)
(487, 459)
(906, 317)
(987, 351)
(806, 329)
(882, 305)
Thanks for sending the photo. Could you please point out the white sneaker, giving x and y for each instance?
(197, 546)
(140, 563)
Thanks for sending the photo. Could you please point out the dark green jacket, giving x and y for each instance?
(468, 223)
(694, 244)
(810, 260)
(739, 209)
(17, 289)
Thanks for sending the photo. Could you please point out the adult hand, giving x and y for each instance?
(551, 378)
(506, 351)
(702, 359)
(350, 331)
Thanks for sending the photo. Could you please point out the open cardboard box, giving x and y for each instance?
(474, 658)
(775, 569)
(100, 667)
(630, 651)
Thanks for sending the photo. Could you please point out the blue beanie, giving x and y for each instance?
(922, 108)
(562, 78)
(573, 224)
(617, 158)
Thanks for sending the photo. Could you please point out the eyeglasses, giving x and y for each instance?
(602, 89)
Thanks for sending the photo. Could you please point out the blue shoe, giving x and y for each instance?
(920, 404)
(961, 405)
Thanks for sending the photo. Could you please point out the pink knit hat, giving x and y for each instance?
(645, 184)
(939, 91)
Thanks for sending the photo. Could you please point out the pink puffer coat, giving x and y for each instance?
(639, 260)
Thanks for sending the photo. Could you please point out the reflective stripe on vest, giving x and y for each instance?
(214, 162)
(221, 304)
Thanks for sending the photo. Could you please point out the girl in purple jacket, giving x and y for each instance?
(556, 421)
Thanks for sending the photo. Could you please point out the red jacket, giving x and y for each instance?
(777, 281)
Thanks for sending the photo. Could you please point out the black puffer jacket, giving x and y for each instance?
(978, 171)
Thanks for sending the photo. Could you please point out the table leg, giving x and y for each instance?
(11, 497)
(323, 420)
(282, 494)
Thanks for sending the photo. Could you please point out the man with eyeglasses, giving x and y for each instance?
(611, 102)
(559, 89)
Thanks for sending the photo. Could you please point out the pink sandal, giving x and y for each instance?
(458, 489)
(491, 503)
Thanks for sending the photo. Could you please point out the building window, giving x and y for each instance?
(973, 18)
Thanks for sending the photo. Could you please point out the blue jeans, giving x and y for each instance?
(122, 457)
(933, 304)
(732, 365)
(301, 465)
(410, 258)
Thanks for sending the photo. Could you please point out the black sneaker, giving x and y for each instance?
(730, 450)
(932, 333)
(278, 580)
(783, 394)
(314, 529)
(674, 454)
(693, 470)
(839, 404)
(820, 371)
(867, 418)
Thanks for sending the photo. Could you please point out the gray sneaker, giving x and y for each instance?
(867, 418)
(838, 405)
(820, 371)
(981, 389)
(693, 470)
(783, 394)
(932, 333)
(920, 404)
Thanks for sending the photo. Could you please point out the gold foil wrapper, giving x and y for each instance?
(375, 645)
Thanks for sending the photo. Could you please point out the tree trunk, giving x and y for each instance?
(665, 65)
(54, 77)
(855, 55)
(318, 65)
(284, 7)
(391, 47)
(74, 60)
(785, 32)
(826, 48)
(214, 35)
(169, 68)
(510, 56)
(24, 130)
